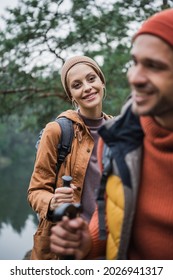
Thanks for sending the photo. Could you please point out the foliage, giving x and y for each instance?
(40, 34)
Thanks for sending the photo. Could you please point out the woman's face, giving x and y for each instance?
(86, 89)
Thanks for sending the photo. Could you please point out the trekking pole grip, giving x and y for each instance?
(71, 210)
(66, 181)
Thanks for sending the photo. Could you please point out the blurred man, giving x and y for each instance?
(139, 189)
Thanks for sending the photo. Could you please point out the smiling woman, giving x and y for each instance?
(84, 84)
(86, 90)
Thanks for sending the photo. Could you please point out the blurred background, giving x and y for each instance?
(36, 37)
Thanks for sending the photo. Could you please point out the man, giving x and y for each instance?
(139, 190)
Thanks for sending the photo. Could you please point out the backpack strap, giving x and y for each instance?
(101, 192)
(64, 146)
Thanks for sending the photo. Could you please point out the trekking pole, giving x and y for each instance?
(66, 181)
(71, 210)
(67, 209)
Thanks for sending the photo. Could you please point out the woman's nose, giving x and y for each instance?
(87, 86)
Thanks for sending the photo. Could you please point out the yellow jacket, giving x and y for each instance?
(121, 160)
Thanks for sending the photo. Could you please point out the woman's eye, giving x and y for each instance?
(92, 78)
(76, 85)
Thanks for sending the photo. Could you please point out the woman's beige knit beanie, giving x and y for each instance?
(73, 61)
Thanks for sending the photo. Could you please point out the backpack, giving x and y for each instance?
(64, 146)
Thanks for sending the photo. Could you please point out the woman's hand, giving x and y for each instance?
(62, 195)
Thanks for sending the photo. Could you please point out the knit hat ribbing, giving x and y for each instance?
(73, 61)
(160, 25)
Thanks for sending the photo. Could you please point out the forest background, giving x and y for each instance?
(36, 38)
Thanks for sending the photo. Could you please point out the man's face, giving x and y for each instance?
(151, 78)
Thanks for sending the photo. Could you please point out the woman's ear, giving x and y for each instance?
(104, 92)
(74, 103)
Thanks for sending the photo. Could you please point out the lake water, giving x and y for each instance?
(14, 245)
(17, 219)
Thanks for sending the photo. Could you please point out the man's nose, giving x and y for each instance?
(136, 75)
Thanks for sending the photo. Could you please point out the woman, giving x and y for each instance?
(84, 84)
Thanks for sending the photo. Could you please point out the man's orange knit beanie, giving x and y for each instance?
(160, 25)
